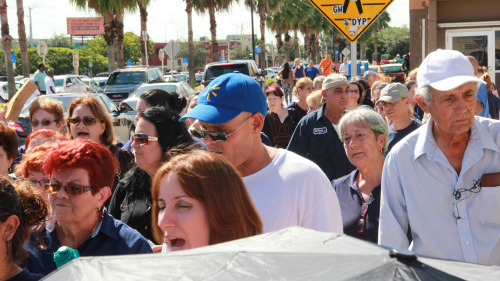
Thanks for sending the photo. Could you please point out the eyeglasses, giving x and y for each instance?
(42, 183)
(71, 189)
(362, 220)
(216, 136)
(353, 91)
(143, 139)
(44, 123)
(462, 194)
(87, 121)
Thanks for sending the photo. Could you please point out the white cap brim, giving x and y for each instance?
(454, 82)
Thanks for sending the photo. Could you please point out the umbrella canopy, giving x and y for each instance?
(294, 253)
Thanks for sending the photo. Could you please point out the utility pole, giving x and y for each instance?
(31, 30)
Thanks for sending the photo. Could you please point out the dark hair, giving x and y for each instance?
(99, 162)
(29, 205)
(158, 97)
(40, 65)
(275, 91)
(362, 82)
(359, 89)
(8, 141)
(409, 84)
(212, 180)
(286, 70)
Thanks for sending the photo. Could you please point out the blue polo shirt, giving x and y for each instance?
(316, 139)
(396, 135)
(351, 200)
(312, 72)
(113, 237)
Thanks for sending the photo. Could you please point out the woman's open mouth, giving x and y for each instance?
(83, 135)
(177, 243)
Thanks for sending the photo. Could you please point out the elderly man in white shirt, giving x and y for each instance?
(49, 83)
(431, 181)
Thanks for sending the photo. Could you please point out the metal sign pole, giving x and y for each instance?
(172, 59)
(354, 52)
(145, 37)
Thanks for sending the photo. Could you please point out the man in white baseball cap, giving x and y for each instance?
(431, 181)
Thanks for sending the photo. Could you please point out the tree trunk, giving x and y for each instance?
(306, 46)
(287, 47)
(6, 43)
(213, 32)
(262, 15)
(312, 46)
(318, 53)
(362, 46)
(109, 37)
(119, 40)
(375, 55)
(191, 66)
(296, 43)
(279, 46)
(21, 29)
(144, 18)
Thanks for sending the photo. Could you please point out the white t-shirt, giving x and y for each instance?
(48, 83)
(292, 190)
(344, 68)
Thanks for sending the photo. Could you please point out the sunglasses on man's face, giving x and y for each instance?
(71, 189)
(143, 139)
(87, 121)
(43, 123)
(216, 136)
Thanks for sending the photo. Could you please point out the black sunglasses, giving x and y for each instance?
(143, 139)
(87, 121)
(72, 189)
(216, 136)
(44, 123)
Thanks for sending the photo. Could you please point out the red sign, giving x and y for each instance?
(85, 26)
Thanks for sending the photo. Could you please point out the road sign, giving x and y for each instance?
(161, 54)
(351, 17)
(129, 62)
(42, 49)
(346, 52)
(221, 58)
(76, 59)
(13, 58)
(90, 64)
(257, 50)
(184, 60)
(171, 49)
(336, 52)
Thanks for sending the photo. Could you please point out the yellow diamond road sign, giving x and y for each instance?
(351, 17)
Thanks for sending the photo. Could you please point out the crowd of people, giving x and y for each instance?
(414, 165)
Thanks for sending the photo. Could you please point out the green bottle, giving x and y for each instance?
(64, 255)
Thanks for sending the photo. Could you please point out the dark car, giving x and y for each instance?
(121, 124)
(395, 71)
(124, 81)
(247, 67)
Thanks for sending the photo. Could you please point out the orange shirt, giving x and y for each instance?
(326, 64)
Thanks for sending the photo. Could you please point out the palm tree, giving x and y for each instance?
(6, 44)
(144, 18)
(278, 22)
(380, 23)
(21, 29)
(189, 11)
(211, 6)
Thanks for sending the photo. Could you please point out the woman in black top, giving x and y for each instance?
(158, 130)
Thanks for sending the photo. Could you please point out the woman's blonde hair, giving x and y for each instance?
(301, 84)
(315, 98)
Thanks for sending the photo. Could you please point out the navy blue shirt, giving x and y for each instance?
(114, 238)
(26, 276)
(299, 72)
(298, 109)
(316, 139)
(494, 105)
(418, 112)
(312, 72)
(397, 135)
(351, 200)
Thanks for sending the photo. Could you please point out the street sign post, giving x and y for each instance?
(161, 54)
(90, 66)
(76, 61)
(351, 17)
(346, 52)
(171, 49)
(145, 38)
(129, 62)
(42, 50)
(14, 61)
(258, 50)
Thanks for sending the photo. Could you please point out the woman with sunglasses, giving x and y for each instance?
(88, 119)
(199, 200)
(364, 134)
(158, 130)
(21, 209)
(79, 186)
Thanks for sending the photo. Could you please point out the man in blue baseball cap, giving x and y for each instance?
(286, 189)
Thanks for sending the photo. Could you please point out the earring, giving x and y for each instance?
(381, 151)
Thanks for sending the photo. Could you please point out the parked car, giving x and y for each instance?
(183, 77)
(121, 123)
(198, 77)
(170, 78)
(248, 67)
(102, 74)
(91, 84)
(272, 72)
(4, 90)
(124, 81)
(395, 71)
(69, 84)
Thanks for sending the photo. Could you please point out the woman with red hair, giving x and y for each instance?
(79, 186)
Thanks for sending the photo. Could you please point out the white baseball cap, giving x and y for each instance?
(446, 70)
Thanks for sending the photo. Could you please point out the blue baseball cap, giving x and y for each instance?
(226, 97)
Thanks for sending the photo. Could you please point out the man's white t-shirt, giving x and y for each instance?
(344, 68)
(49, 82)
(291, 191)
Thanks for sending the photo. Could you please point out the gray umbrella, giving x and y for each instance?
(290, 254)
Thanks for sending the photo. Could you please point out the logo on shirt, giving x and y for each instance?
(319, 131)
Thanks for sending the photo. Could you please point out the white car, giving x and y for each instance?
(272, 72)
(69, 84)
(4, 90)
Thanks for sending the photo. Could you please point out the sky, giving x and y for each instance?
(167, 19)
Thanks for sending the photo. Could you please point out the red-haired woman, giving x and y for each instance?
(79, 186)
(192, 194)
(280, 122)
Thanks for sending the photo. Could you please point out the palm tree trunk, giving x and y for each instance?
(213, 32)
(21, 29)
(109, 37)
(296, 43)
(144, 18)
(191, 66)
(287, 46)
(312, 46)
(375, 42)
(318, 53)
(279, 46)
(262, 15)
(119, 40)
(6, 44)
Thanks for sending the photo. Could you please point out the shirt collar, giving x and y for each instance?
(321, 113)
(105, 226)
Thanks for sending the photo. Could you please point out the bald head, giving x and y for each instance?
(474, 63)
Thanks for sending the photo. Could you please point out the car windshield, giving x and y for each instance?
(128, 77)
(59, 82)
(392, 68)
(218, 70)
(183, 78)
(166, 87)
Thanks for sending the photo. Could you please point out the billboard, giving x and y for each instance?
(85, 26)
